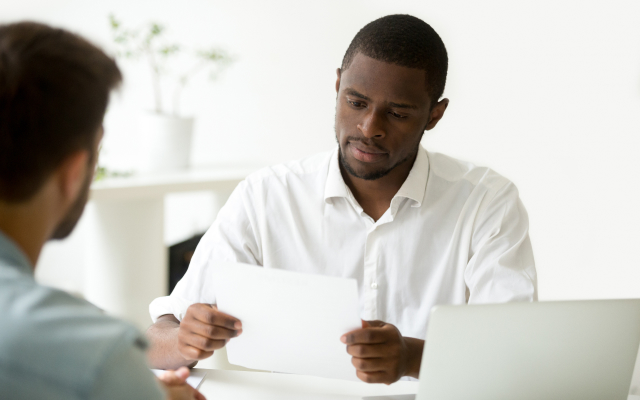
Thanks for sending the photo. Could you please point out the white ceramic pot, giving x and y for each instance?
(164, 142)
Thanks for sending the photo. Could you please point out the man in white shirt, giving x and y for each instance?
(414, 228)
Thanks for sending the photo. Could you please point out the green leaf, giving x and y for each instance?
(168, 50)
(100, 174)
(156, 29)
(212, 55)
(115, 24)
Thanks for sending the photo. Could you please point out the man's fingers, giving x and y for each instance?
(365, 336)
(183, 392)
(183, 373)
(373, 377)
(209, 315)
(379, 352)
(170, 378)
(369, 364)
(213, 331)
(177, 377)
(192, 353)
(369, 350)
(198, 395)
(205, 329)
(204, 343)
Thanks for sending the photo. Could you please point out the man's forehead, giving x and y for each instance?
(375, 78)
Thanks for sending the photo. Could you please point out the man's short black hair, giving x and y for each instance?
(54, 90)
(406, 41)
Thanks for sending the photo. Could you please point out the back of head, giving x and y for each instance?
(54, 90)
(406, 41)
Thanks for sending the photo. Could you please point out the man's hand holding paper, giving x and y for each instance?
(381, 354)
(204, 329)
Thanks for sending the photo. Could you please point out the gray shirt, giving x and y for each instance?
(55, 346)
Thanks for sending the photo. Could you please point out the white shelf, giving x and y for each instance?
(143, 186)
(125, 254)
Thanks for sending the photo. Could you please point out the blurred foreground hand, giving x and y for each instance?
(176, 386)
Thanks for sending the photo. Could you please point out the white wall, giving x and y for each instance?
(546, 93)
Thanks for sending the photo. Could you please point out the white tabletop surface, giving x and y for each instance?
(242, 385)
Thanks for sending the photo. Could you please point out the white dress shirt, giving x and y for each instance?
(454, 233)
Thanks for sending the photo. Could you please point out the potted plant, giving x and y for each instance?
(164, 136)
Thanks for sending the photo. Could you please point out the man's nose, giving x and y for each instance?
(372, 125)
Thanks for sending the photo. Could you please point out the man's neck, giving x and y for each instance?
(25, 226)
(374, 196)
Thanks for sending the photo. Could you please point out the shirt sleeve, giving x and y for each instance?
(501, 266)
(232, 237)
(125, 374)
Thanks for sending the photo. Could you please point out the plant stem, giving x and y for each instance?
(182, 82)
(155, 78)
(176, 96)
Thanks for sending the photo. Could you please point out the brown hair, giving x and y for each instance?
(54, 90)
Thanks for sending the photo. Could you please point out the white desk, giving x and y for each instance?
(241, 385)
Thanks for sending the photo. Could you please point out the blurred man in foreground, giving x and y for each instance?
(54, 90)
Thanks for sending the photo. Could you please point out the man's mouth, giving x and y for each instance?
(366, 154)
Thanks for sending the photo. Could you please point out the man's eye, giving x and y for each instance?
(399, 116)
(355, 103)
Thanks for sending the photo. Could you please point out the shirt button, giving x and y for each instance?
(374, 285)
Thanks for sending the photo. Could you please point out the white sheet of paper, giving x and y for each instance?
(291, 322)
(195, 376)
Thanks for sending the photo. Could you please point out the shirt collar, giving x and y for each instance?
(335, 186)
(414, 187)
(12, 255)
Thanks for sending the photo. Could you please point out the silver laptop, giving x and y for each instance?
(530, 351)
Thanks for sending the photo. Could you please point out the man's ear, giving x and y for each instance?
(338, 80)
(436, 113)
(71, 174)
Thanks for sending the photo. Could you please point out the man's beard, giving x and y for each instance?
(371, 176)
(65, 227)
